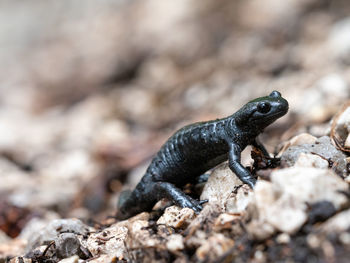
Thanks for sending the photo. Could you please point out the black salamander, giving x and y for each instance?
(197, 148)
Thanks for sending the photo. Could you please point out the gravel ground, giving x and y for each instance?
(90, 90)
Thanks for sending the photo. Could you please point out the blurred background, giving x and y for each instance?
(89, 90)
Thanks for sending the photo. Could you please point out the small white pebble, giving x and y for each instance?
(175, 242)
(345, 238)
(313, 241)
(259, 256)
(283, 238)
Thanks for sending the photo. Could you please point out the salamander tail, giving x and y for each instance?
(124, 195)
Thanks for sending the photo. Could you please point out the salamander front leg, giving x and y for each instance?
(257, 144)
(270, 161)
(169, 191)
(235, 165)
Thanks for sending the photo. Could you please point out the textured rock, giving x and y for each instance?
(225, 221)
(196, 239)
(260, 229)
(110, 241)
(146, 240)
(221, 183)
(238, 201)
(177, 217)
(20, 260)
(214, 246)
(36, 224)
(207, 216)
(283, 212)
(311, 160)
(67, 245)
(303, 138)
(311, 185)
(282, 203)
(53, 229)
(324, 148)
(175, 242)
(139, 235)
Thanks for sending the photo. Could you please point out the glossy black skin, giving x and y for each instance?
(198, 147)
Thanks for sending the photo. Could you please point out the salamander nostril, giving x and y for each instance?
(275, 94)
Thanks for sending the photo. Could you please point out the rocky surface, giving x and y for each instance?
(317, 154)
(90, 95)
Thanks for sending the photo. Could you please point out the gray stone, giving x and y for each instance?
(176, 217)
(67, 245)
(300, 139)
(52, 230)
(324, 148)
(311, 160)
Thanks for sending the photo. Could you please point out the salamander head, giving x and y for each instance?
(261, 112)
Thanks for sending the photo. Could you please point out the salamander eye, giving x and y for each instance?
(264, 107)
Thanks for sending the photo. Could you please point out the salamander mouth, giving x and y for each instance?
(279, 113)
